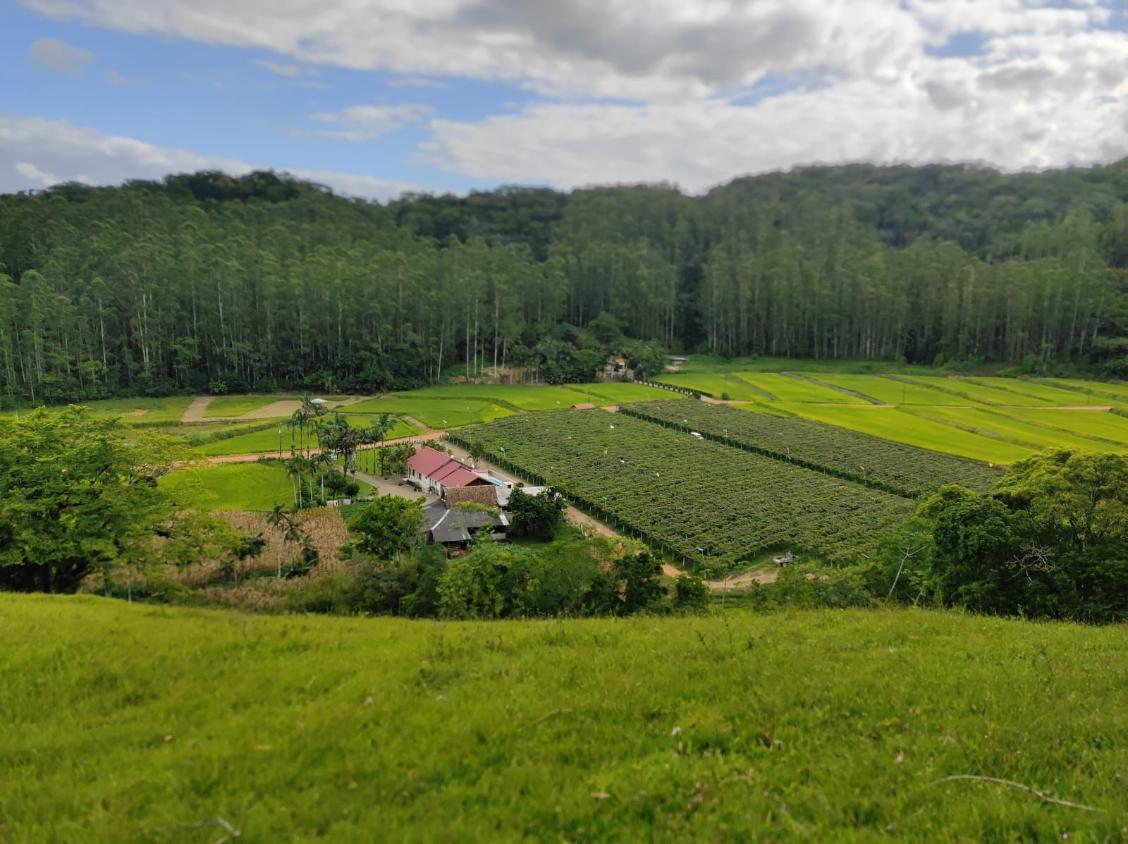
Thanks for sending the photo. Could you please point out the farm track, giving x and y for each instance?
(195, 411)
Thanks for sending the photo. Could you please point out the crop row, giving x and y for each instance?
(893, 467)
(698, 501)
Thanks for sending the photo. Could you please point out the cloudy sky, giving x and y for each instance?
(373, 97)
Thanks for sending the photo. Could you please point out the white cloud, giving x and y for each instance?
(51, 54)
(365, 122)
(699, 90)
(36, 152)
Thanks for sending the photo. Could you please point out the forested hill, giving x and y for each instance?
(208, 281)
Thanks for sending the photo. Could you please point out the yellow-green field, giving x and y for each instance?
(147, 723)
(992, 419)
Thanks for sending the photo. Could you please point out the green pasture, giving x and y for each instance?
(149, 723)
(905, 427)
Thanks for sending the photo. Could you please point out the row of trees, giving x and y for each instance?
(209, 282)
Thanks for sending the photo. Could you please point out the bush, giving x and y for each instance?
(690, 593)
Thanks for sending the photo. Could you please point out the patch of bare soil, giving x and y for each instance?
(195, 411)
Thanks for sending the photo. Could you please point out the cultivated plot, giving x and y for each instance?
(893, 466)
(1018, 426)
(901, 426)
(697, 500)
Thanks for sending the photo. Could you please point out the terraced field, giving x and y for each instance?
(701, 502)
(897, 468)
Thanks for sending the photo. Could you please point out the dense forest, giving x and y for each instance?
(207, 281)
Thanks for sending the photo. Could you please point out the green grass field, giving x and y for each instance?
(146, 723)
(231, 486)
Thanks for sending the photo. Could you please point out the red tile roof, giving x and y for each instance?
(462, 477)
(426, 460)
(443, 469)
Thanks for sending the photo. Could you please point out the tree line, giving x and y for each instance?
(209, 282)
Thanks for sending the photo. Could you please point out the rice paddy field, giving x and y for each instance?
(282, 438)
(991, 419)
(178, 724)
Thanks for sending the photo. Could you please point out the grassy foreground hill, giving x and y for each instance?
(131, 722)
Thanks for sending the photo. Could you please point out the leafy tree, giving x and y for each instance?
(77, 494)
(639, 576)
(387, 527)
(690, 593)
(1050, 540)
(535, 516)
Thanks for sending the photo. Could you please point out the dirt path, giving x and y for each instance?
(732, 583)
(411, 420)
(195, 411)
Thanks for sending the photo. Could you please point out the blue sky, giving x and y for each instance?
(451, 95)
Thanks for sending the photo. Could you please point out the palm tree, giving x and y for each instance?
(294, 468)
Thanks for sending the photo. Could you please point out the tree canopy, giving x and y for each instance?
(206, 281)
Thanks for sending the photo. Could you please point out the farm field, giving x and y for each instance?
(266, 441)
(895, 391)
(233, 486)
(901, 426)
(703, 502)
(513, 397)
(437, 413)
(1090, 392)
(1021, 427)
(142, 410)
(895, 467)
(1008, 393)
(296, 728)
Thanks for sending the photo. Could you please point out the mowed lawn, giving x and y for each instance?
(146, 723)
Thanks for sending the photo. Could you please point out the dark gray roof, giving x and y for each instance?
(456, 525)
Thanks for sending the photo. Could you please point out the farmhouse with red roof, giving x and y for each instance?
(436, 472)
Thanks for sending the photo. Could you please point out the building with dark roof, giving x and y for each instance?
(455, 527)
